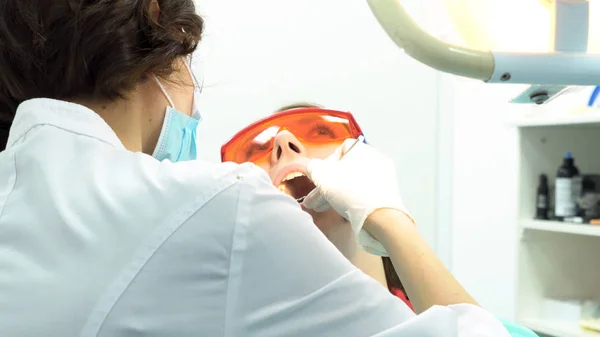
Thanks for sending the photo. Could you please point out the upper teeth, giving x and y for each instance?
(292, 175)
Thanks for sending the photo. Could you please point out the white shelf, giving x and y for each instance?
(555, 266)
(561, 227)
(547, 117)
(558, 329)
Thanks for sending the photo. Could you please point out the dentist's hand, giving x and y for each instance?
(363, 181)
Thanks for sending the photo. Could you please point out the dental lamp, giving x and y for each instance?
(549, 73)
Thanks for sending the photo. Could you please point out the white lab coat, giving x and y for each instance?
(98, 241)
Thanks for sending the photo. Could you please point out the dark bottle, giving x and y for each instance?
(542, 201)
(568, 188)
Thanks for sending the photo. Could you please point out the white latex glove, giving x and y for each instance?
(356, 185)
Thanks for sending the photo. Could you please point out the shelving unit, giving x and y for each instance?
(560, 227)
(537, 117)
(557, 260)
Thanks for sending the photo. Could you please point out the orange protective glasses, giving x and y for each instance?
(310, 125)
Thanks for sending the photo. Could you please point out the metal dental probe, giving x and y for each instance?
(359, 139)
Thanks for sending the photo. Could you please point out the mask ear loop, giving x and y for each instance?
(189, 68)
(162, 88)
(197, 90)
(194, 79)
(164, 92)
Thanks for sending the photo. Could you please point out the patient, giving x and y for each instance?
(282, 146)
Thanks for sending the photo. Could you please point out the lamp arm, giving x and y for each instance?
(564, 67)
(423, 47)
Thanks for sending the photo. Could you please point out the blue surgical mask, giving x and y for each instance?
(177, 140)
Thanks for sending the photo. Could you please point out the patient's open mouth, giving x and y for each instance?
(297, 185)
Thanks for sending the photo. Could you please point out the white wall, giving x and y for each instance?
(485, 178)
(482, 174)
(258, 55)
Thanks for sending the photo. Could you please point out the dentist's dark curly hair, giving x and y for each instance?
(88, 49)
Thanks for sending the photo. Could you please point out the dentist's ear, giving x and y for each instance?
(154, 10)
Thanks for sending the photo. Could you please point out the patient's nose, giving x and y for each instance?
(286, 146)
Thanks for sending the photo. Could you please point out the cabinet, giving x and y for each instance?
(558, 263)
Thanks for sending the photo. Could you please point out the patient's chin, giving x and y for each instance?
(338, 231)
(327, 221)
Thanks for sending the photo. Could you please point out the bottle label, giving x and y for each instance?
(565, 201)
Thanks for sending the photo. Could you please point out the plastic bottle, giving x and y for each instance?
(542, 201)
(568, 188)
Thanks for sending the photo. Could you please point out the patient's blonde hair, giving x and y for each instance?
(298, 105)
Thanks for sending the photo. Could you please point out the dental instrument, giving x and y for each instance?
(358, 140)
(549, 74)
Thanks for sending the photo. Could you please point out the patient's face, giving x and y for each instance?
(286, 166)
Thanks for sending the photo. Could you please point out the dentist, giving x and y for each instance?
(109, 227)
